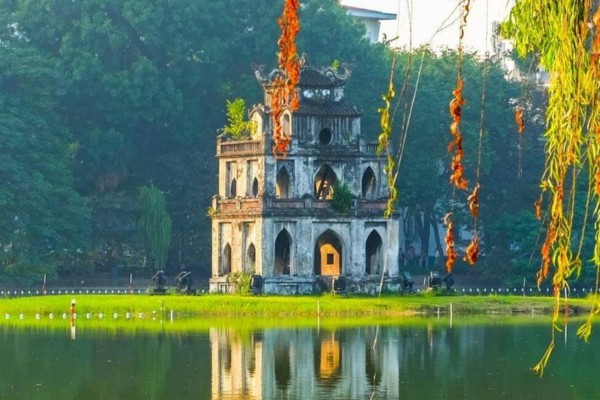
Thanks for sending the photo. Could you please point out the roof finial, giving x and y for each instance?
(304, 60)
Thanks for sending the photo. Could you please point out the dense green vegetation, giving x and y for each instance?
(99, 99)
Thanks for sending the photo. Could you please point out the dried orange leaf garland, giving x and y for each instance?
(538, 208)
(455, 147)
(450, 248)
(595, 58)
(285, 93)
(472, 252)
(519, 120)
(473, 202)
(546, 257)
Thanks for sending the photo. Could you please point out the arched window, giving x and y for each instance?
(258, 123)
(328, 254)
(373, 262)
(368, 184)
(324, 181)
(286, 123)
(282, 188)
(226, 261)
(283, 246)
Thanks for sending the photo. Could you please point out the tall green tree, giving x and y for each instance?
(155, 224)
(44, 222)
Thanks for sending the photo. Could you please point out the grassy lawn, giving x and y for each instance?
(235, 306)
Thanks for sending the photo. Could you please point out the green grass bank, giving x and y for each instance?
(283, 307)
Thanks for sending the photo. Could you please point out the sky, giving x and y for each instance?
(429, 15)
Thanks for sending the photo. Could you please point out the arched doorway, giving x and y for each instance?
(328, 254)
(282, 188)
(283, 246)
(368, 184)
(251, 258)
(226, 260)
(373, 262)
(324, 181)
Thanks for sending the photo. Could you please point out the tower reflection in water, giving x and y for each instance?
(302, 363)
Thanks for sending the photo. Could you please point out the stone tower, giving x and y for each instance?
(274, 217)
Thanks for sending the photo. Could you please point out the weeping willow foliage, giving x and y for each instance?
(155, 224)
(383, 146)
(565, 34)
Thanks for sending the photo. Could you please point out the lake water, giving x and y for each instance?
(428, 359)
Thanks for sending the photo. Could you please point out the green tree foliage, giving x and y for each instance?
(424, 192)
(143, 86)
(44, 223)
(342, 197)
(155, 224)
(142, 90)
(238, 126)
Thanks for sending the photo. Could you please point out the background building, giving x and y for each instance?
(371, 19)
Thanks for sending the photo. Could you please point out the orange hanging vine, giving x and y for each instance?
(519, 120)
(455, 148)
(472, 252)
(285, 93)
(450, 248)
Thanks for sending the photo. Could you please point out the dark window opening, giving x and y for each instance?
(233, 188)
(282, 188)
(226, 260)
(368, 184)
(329, 258)
(325, 136)
(255, 188)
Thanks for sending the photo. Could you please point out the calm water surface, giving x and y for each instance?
(429, 361)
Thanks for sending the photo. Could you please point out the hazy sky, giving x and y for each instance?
(429, 15)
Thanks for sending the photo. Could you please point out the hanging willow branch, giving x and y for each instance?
(385, 123)
(559, 31)
(285, 92)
